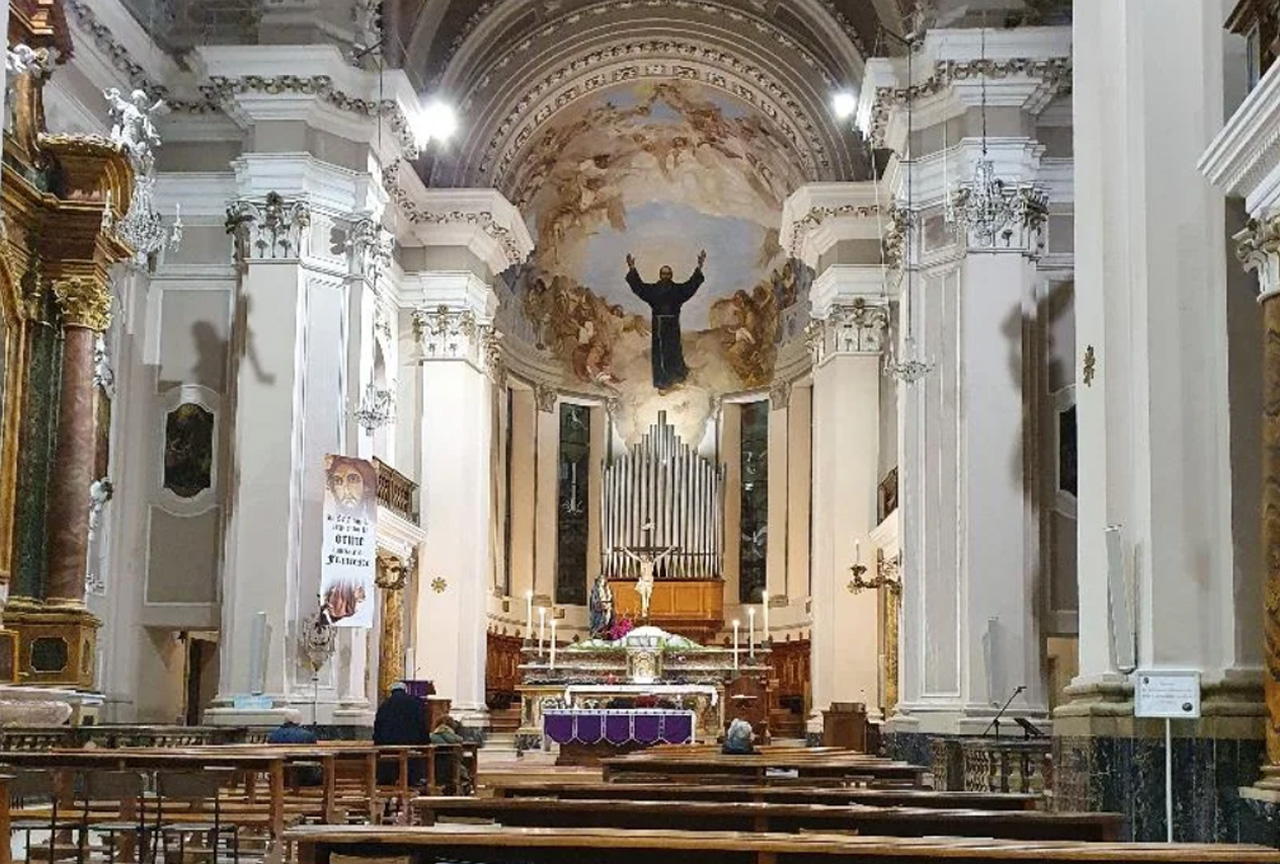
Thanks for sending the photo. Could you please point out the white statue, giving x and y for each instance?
(132, 128)
(100, 493)
(648, 564)
(22, 59)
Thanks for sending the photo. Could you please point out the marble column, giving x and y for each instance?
(393, 574)
(455, 322)
(85, 305)
(851, 313)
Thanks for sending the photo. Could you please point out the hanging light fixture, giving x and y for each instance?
(985, 208)
(912, 366)
(377, 408)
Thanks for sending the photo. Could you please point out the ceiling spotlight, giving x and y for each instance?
(844, 104)
(436, 122)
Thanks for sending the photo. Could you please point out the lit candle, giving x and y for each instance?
(408, 663)
(528, 615)
(736, 625)
(764, 614)
(553, 643)
(751, 632)
(542, 626)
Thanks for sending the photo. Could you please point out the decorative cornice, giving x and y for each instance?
(116, 53)
(83, 302)
(221, 89)
(1054, 75)
(515, 248)
(1244, 159)
(800, 228)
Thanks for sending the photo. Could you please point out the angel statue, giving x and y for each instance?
(132, 127)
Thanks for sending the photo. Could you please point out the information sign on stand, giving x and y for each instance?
(1167, 695)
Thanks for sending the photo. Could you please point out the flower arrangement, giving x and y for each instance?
(622, 628)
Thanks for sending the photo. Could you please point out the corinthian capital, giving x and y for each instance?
(83, 302)
(1258, 248)
(859, 327)
(267, 229)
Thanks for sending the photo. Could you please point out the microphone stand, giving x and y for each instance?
(995, 721)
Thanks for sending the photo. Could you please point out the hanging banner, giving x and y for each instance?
(349, 546)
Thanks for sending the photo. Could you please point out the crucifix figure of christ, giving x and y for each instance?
(647, 557)
(665, 297)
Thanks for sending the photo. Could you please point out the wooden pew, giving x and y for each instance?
(760, 768)
(778, 794)
(769, 817)
(318, 845)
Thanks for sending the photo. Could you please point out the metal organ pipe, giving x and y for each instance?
(664, 483)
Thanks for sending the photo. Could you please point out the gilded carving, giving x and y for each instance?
(392, 576)
(83, 302)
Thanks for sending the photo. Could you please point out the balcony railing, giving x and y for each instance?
(397, 492)
(1258, 21)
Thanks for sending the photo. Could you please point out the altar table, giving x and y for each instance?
(621, 726)
(587, 735)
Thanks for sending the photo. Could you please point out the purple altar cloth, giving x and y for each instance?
(619, 726)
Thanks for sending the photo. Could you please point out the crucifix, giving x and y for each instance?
(647, 556)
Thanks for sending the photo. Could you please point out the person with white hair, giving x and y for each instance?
(292, 732)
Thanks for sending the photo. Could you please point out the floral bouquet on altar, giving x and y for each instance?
(622, 628)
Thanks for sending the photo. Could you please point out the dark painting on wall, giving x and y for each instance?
(188, 450)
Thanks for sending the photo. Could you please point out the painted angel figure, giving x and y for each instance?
(648, 565)
(132, 126)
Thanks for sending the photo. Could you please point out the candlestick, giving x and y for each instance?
(542, 627)
(528, 615)
(736, 625)
(553, 643)
(751, 633)
(764, 612)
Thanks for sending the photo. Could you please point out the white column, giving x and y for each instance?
(779, 511)
(292, 343)
(1150, 296)
(849, 302)
(454, 578)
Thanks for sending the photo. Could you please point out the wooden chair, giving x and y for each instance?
(28, 787)
(194, 788)
(124, 790)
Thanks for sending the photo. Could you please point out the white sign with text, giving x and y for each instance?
(1166, 694)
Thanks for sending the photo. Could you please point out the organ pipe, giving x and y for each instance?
(662, 495)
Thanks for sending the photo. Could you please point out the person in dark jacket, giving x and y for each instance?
(449, 731)
(401, 720)
(290, 731)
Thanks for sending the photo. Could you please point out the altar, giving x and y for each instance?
(646, 673)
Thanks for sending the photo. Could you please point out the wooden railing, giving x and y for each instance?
(396, 492)
(502, 670)
(112, 736)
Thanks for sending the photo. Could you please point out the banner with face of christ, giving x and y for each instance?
(349, 543)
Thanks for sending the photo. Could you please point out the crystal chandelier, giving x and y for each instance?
(377, 408)
(134, 132)
(142, 228)
(986, 209)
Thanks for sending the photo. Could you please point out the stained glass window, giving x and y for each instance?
(572, 511)
(754, 537)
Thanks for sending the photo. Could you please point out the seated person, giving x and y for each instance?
(401, 720)
(449, 731)
(737, 741)
(291, 732)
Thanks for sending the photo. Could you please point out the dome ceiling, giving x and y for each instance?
(517, 68)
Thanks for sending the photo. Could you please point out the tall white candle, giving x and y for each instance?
(751, 632)
(764, 614)
(736, 625)
(408, 663)
(542, 627)
(528, 615)
(857, 552)
(553, 643)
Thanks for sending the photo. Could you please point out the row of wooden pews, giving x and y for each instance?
(781, 804)
(230, 793)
